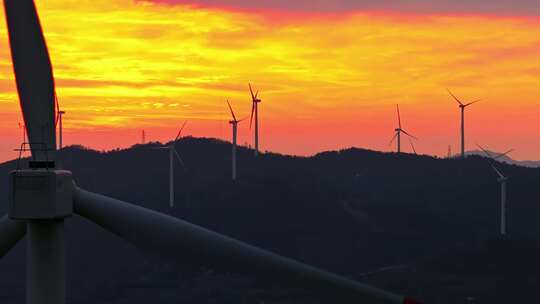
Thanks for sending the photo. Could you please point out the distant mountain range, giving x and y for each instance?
(508, 159)
(391, 220)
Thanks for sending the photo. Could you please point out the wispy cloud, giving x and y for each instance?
(505, 7)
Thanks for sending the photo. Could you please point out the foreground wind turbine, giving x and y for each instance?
(255, 100)
(172, 154)
(462, 107)
(234, 122)
(502, 181)
(400, 130)
(42, 197)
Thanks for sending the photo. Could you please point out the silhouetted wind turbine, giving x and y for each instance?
(400, 130)
(234, 122)
(462, 107)
(255, 100)
(502, 181)
(40, 211)
(172, 154)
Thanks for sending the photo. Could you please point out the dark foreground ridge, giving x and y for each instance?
(415, 225)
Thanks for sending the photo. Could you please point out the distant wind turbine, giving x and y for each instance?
(234, 122)
(172, 154)
(400, 130)
(61, 129)
(502, 181)
(462, 107)
(255, 113)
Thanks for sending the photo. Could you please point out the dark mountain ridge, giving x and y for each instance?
(348, 211)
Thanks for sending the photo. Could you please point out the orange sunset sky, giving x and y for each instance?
(329, 76)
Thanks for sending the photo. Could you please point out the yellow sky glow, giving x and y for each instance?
(327, 80)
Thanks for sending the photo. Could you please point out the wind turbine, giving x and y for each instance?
(38, 209)
(502, 181)
(400, 130)
(462, 107)
(172, 154)
(234, 122)
(255, 100)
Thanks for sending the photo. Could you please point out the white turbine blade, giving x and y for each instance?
(10, 233)
(251, 91)
(504, 154)
(33, 74)
(412, 136)
(180, 131)
(399, 116)
(232, 112)
(178, 156)
(412, 145)
(169, 235)
(497, 171)
(470, 103)
(459, 101)
(252, 112)
(485, 151)
(393, 138)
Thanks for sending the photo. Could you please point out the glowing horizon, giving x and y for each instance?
(327, 80)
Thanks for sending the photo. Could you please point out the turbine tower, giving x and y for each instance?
(462, 107)
(60, 132)
(400, 130)
(255, 100)
(502, 181)
(234, 122)
(172, 154)
(39, 211)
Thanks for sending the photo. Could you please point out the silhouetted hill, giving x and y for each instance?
(350, 211)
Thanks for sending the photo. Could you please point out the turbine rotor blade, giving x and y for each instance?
(251, 91)
(252, 112)
(33, 74)
(485, 151)
(180, 131)
(178, 157)
(412, 136)
(470, 103)
(412, 146)
(504, 154)
(497, 171)
(177, 237)
(232, 112)
(10, 233)
(393, 138)
(459, 101)
(399, 116)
